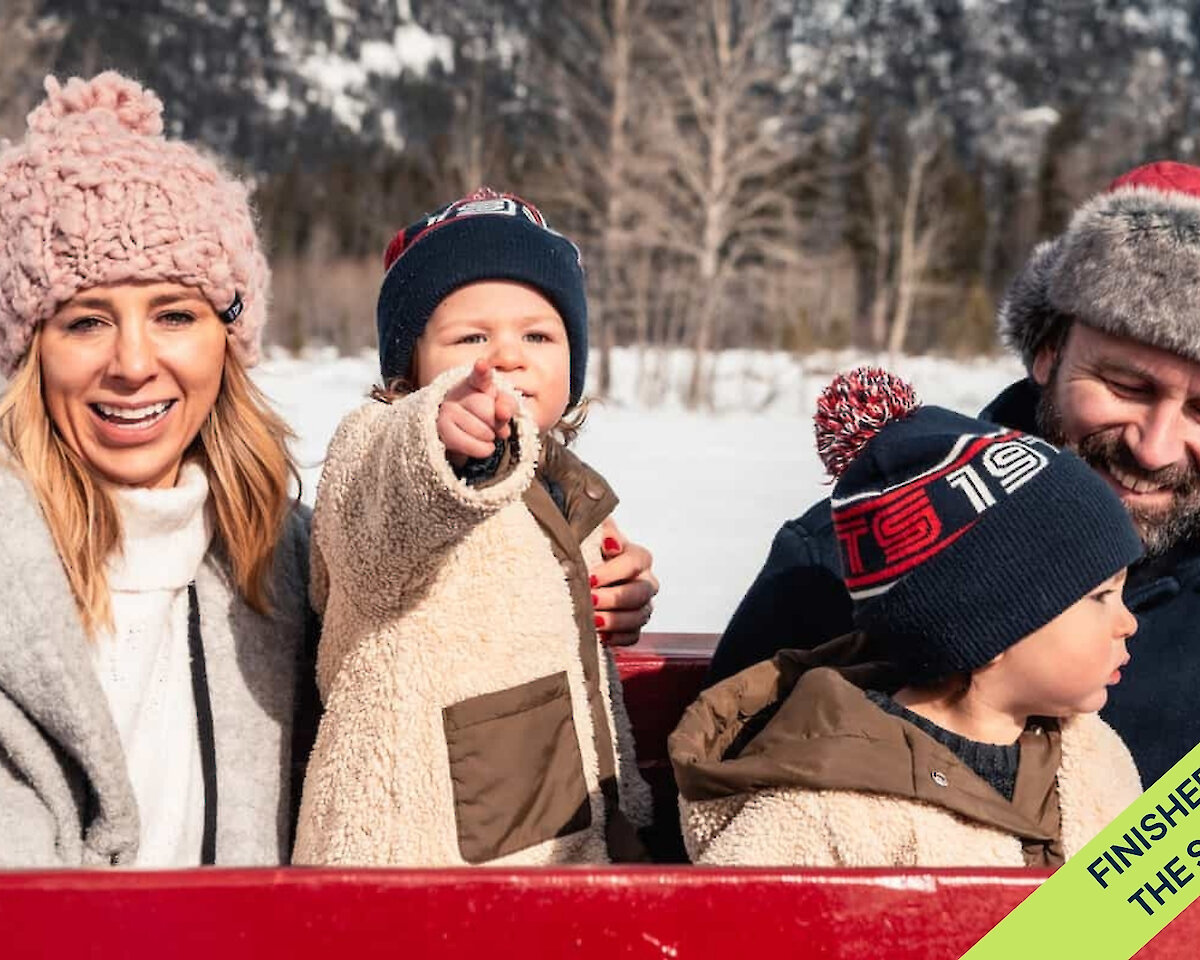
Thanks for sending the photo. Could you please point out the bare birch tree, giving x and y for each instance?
(594, 60)
(922, 224)
(880, 195)
(467, 155)
(909, 219)
(716, 182)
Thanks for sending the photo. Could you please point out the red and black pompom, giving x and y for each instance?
(855, 407)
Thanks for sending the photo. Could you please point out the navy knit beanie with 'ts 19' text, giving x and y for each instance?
(958, 538)
(485, 236)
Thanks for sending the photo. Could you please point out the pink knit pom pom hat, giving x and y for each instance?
(95, 195)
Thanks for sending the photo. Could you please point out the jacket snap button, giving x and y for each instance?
(939, 778)
(592, 490)
(568, 568)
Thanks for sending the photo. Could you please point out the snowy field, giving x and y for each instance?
(704, 491)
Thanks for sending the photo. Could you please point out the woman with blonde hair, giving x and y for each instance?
(154, 623)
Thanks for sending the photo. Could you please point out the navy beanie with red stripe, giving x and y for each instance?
(958, 538)
(484, 236)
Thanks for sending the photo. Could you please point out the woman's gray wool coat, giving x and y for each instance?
(65, 796)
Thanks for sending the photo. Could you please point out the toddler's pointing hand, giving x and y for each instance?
(475, 414)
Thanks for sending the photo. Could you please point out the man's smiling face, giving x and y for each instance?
(1132, 411)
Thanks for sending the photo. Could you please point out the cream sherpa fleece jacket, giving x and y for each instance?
(439, 602)
(842, 828)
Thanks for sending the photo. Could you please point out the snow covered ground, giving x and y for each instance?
(704, 491)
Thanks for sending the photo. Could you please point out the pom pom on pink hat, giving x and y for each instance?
(95, 195)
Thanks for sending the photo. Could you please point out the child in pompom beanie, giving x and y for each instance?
(986, 569)
(471, 715)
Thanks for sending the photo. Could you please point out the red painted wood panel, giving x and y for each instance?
(681, 913)
(661, 675)
(601, 913)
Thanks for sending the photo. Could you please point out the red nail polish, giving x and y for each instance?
(593, 581)
(595, 600)
(611, 545)
(599, 622)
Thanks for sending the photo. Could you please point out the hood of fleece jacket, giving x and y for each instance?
(803, 720)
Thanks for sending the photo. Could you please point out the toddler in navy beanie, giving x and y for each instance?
(467, 573)
(958, 726)
(986, 562)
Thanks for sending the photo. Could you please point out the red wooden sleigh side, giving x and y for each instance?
(670, 911)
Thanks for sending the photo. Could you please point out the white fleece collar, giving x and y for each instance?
(166, 534)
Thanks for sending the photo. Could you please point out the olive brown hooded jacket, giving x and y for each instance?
(788, 763)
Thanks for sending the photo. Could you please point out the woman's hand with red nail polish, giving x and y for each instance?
(623, 587)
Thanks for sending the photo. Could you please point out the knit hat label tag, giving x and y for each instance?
(233, 311)
(490, 205)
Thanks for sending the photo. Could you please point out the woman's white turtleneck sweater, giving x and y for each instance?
(144, 663)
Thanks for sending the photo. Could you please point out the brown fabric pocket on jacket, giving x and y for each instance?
(515, 768)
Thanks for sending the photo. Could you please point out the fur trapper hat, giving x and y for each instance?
(96, 195)
(1128, 264)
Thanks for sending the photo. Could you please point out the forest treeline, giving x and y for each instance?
(774, 173)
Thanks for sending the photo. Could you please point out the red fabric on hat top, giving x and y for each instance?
(394, 249)
(1166, 175)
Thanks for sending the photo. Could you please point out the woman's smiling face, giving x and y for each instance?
(130, 372)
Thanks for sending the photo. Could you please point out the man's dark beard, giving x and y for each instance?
(1159, 529)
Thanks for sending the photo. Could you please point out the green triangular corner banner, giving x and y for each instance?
(1127, 884)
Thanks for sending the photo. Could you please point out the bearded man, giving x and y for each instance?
(1107, 319)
